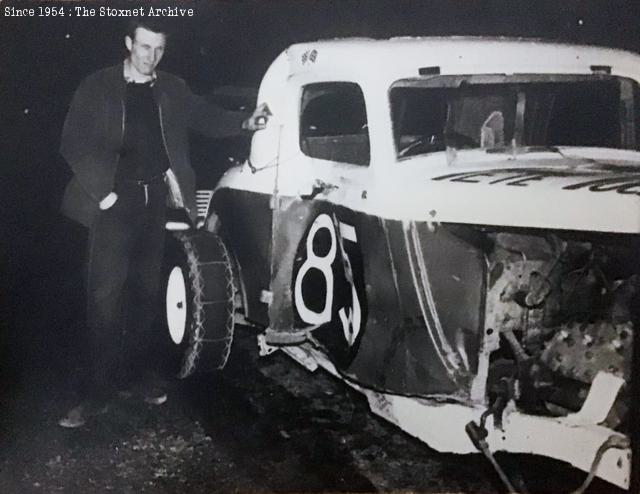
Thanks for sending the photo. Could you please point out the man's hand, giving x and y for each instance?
(108, 201)
(258, 120)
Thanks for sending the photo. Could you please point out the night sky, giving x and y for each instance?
(42, 60)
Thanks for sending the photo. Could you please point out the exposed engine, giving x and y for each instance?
(563, 307)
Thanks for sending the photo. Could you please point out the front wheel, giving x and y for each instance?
(200, 303)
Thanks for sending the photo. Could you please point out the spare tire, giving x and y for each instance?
(200, 302)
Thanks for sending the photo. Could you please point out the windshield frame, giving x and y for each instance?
(629, 109)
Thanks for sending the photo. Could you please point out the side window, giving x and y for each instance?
(333, 123)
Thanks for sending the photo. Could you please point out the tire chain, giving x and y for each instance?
(197, 283)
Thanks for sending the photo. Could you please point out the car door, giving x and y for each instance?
(317, 277)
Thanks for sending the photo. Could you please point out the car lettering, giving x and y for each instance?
(522, 178)
(350, 314)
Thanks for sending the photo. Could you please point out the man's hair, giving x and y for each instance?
(154, 25)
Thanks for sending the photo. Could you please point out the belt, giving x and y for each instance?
(145, 184)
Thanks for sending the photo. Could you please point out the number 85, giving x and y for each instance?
(351, 314)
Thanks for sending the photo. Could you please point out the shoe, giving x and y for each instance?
(78, 415)
(151, 389)
(155, 395)
(152, 396)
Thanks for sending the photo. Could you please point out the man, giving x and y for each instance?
(126, 140)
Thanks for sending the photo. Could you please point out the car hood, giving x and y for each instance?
(545, 190)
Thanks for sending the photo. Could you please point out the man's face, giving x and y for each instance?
(145, 50)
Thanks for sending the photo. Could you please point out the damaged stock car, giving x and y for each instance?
(448, 225)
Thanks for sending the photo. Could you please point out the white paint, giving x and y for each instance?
(442, 426)
(576, 445)
(322, 264)
(348, 232)
(360, 60)
(602, 395)
(351, 316)
(403, 189)
(410, 193)
(176, 305)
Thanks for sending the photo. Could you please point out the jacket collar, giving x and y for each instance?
(117, 82)
(130, 75)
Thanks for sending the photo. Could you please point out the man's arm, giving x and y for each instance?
(81, 143)
(212, 120)
(216, 122)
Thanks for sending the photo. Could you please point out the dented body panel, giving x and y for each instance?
(476, 277)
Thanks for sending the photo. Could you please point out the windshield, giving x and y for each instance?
(476, 112)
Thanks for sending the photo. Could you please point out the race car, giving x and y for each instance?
(448, 225)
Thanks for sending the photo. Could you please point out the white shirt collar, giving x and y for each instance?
(131, 75)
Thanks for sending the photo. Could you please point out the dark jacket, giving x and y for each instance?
(94, 128)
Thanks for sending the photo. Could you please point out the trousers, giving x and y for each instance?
(126, 248)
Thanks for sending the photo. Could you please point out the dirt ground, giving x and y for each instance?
(263, 425)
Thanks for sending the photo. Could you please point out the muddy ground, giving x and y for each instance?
(263, 425)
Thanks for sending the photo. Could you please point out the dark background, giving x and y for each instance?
(226, 43)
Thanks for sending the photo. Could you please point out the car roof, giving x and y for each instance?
(395, 58)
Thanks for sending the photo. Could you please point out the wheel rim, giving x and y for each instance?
(176, 305)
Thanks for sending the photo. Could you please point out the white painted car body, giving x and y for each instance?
(463, 187)
(375, 66)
